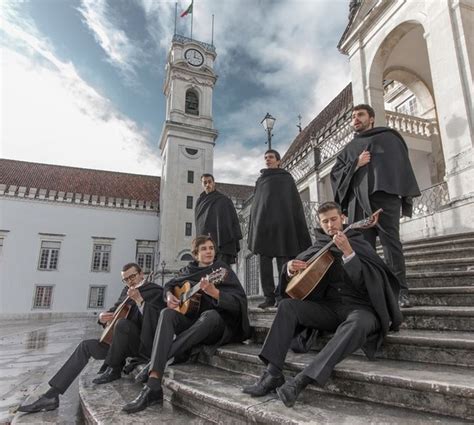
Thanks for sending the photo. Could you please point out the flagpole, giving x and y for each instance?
(192, 16)
(175, 16)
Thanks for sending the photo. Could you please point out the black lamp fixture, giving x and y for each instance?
(268, 122)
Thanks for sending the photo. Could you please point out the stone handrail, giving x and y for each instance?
(412, 125)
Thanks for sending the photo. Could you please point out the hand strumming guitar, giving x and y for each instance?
(105, 317)
(209, 288)
(171, 301)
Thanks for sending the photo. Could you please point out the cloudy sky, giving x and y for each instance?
(81, 80)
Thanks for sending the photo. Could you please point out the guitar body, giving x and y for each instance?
(301, 285)
(121, 313)
(191, 306)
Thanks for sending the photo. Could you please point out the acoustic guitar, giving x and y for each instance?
(304, 282)
(187, 293)
(121, 312)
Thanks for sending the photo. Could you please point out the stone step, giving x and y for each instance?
(439, 253)
(426, 387)
(102, 404)
(443, 296)
(440, 347)
(439, 318)
(428, 318)
(199, 394)
(440, 279)
(437, 241)
(445, 265)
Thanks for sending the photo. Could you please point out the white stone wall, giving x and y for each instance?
(21, 223)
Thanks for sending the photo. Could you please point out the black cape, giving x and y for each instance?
(389, 171)
(153, 296)
(382, 285)
(277, 226)
(215, 215)
(231, 294)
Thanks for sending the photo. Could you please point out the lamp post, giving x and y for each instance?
(163, 265)
(268, 122)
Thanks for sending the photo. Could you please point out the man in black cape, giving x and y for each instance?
(374, 171)
(355, 300)
(215, 216)
(221, 318)
(277, 227)
(132, 337)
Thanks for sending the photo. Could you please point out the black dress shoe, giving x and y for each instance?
(142, 376)
(43, 404)
(403, 299)
(289, 392)
(264, 385)
(269, 302)
(147, 397)
(109, 375)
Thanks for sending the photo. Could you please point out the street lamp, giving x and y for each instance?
(268, 122)
(163, 265)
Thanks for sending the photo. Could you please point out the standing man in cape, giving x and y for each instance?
(374, 171)
(222, 318)
(277, 227)
(215, 216)
(355, 300)
(132, 337)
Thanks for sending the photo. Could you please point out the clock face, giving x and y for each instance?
(194, 57)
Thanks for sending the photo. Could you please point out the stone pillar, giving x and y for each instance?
(452, 84)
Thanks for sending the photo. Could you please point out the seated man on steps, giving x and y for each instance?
(355, 300)
(132, 337)
(221, 318)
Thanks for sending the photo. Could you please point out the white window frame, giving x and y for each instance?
(52, 254)
(106, 252)
(97, 296)
(35, 295)
(145, 250)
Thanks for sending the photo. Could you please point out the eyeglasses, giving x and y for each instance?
(130, 278)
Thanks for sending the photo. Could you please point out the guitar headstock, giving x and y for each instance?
(217, 276)
(368, 222)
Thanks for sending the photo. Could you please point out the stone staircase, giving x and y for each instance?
(424, 373)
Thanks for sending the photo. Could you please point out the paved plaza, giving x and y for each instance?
(30, 353)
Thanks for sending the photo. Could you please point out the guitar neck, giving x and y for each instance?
(326, 247)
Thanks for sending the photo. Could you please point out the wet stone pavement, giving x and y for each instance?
(31, 351)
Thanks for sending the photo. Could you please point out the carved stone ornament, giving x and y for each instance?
(191, 79)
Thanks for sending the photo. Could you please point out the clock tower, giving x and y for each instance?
(186, 144)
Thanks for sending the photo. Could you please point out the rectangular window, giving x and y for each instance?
(189, 202)
(146, 255)
(96, 297)
(43, 296)
(188, 231)
(49, 255)
(101, 257)
(190, 176)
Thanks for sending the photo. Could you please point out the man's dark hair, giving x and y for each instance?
(208, 175)
(365, 107)
(130, 265)
(274, 152)
(328, 206)
(198, 241)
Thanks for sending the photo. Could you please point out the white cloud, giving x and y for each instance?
(51, 115)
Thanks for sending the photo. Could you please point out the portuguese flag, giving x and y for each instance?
(188, 11)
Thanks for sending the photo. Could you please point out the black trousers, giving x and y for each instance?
(266, 274)
(125, 343)
(388, 231)
(351, 325)
(207, 329)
